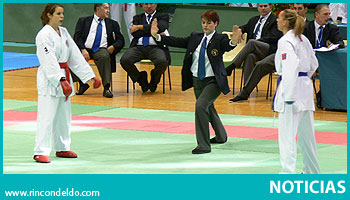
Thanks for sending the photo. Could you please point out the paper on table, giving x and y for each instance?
(330, 48)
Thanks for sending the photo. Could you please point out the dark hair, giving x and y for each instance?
(96, 5)
(296, 22)
(304, 4)
(320, 6)
(211, 15)
(270, 4)
(49, 8)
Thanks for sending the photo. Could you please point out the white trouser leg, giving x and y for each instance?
(116, 12)
(128, 16)
(287, 129)
(62, 125)
(47, 107)
(307, 143)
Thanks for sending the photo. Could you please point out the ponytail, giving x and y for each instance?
(296, 22)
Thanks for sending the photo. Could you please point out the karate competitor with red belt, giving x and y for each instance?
(57, 54)
(295, 62)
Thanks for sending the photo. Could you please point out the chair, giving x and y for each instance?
(229, 56)
(149, 61)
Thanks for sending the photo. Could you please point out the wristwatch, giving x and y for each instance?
(63, 79)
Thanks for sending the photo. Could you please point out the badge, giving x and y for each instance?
(46, 50)
(214, 52)
(67, 43)
(284, 56)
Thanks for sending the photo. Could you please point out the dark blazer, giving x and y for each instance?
(163, 24)
(217, 46)
(114, 36)
(270, 34)
(330, 32)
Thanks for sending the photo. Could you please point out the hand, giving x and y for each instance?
(135, 28)
(289, 102)
(85, 54)
(155, 29)
(97, 82)
(67, 89)
(110, 49)
(236, 36)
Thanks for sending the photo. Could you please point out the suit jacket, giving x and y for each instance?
(330, 32)
(163, 24)
(217, 46)
(270, 34)
(114, 36)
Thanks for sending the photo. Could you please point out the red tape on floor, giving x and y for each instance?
(17, 117)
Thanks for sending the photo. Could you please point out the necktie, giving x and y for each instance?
(98, 36)
(201, 60)
(320, 38)
(145, 39)
(257, 28)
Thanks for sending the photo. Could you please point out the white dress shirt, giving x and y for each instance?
(151, 39)
(263, 21)
(92, 33)
(317, 31)
(208, 68)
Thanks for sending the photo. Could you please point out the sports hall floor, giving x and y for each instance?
(153, 133)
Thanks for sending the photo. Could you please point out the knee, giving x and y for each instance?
(201, 106)
(125, 60)
(161, 62)
(105, 56)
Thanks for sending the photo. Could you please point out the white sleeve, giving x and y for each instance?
(289, 62)
(48, 60)
(77, 62)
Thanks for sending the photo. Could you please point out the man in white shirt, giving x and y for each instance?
(143, 46)
(262, 35)
(99, 38)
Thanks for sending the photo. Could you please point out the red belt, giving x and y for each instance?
(125, 7)
(65, 67)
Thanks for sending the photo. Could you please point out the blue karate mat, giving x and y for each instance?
(14, 61)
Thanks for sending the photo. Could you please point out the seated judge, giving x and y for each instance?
(143, 46)
(204, 70)
(99, 38)
(262, 36)
(265, 66)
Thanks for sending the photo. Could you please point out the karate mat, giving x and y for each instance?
(14, 61)
(128, 140)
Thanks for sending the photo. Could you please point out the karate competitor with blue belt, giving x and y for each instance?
(295, 62)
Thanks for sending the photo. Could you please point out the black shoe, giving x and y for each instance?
(214, 141)
(107, 93)
(200, 151)
(152, 84)
(82, 88)
(230, 68)
(153, 87)
(143, 82)
(238, 98)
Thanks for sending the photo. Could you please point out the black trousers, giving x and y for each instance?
(138, 53)
(206, 92)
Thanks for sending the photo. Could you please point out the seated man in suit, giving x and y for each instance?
(99, 38)
(265, 66)
(322, 34)
(143, 46)
(262, 35)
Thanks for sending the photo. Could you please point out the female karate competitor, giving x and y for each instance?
(204, 70)
(295, 62)
(57, 54)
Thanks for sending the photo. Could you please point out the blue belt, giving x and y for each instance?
(278, 83)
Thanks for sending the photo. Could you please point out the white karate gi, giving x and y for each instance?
(54, 113)
(126, 9)
(295, 54)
